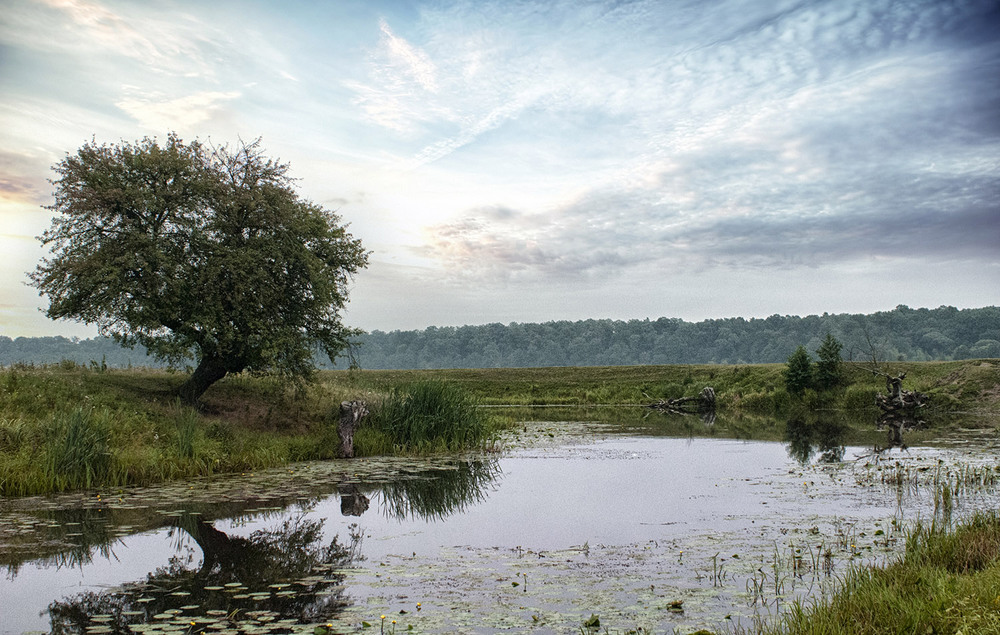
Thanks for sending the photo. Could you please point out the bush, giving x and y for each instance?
(858, 397)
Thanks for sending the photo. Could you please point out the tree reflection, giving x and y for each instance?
(440, 492)
(280, 573)
(821, 434)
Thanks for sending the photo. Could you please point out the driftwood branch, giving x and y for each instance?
(703, 403)
(351, 413)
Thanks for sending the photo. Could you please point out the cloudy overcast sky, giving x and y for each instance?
(534, 160)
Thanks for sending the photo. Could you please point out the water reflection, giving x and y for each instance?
(440, 492)
(432, 494)
(285, 572)
(214, 577)
(818, 434)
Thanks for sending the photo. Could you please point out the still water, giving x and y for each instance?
(642, 531)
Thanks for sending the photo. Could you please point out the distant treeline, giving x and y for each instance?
(903, 334)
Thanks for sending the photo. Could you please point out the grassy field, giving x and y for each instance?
(969, 385)
(68, 426)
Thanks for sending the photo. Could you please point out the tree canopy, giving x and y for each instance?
(945, 333)
(198, 251)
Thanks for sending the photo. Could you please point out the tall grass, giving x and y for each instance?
(424, 416)
(130, 430)
(77, 453)
(947, 582)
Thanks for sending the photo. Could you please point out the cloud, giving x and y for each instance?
(402, 75)
(163, 43)
(159, 114)
(403, 59)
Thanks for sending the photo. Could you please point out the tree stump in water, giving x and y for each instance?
(351, 413)
(899, 408)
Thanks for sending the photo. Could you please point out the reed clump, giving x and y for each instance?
(425, 416)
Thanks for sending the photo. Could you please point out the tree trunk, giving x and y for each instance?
(209, 371)
(351, 413)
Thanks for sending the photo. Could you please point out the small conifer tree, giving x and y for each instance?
(828, 366)
(798, 372)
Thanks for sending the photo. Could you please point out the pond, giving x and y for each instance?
(574, 524)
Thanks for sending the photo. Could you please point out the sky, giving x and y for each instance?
(535, 160)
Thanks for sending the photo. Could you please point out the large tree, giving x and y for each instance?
(198, 251)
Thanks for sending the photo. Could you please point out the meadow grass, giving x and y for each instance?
(947, 582)
(968, 385)
(66, 427)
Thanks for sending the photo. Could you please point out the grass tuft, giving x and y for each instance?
(77, 451)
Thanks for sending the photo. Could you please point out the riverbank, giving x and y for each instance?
(68, 426)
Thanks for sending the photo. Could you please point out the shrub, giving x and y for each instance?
(858, 397)
(828, 366)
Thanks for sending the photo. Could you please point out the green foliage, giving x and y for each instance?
(430, 414)
(132, 431)
(798, 372)
(187, 432)
(945, 333)
(859, 397)
(829, 374)
(188, 251)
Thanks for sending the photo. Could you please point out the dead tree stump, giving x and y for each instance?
(351, 413)
(899, 408)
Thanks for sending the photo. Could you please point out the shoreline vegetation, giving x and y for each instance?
(947, 581)
(68, 426)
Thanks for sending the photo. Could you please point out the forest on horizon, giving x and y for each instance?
(903, 334)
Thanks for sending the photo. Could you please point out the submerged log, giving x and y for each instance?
(351, 413)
